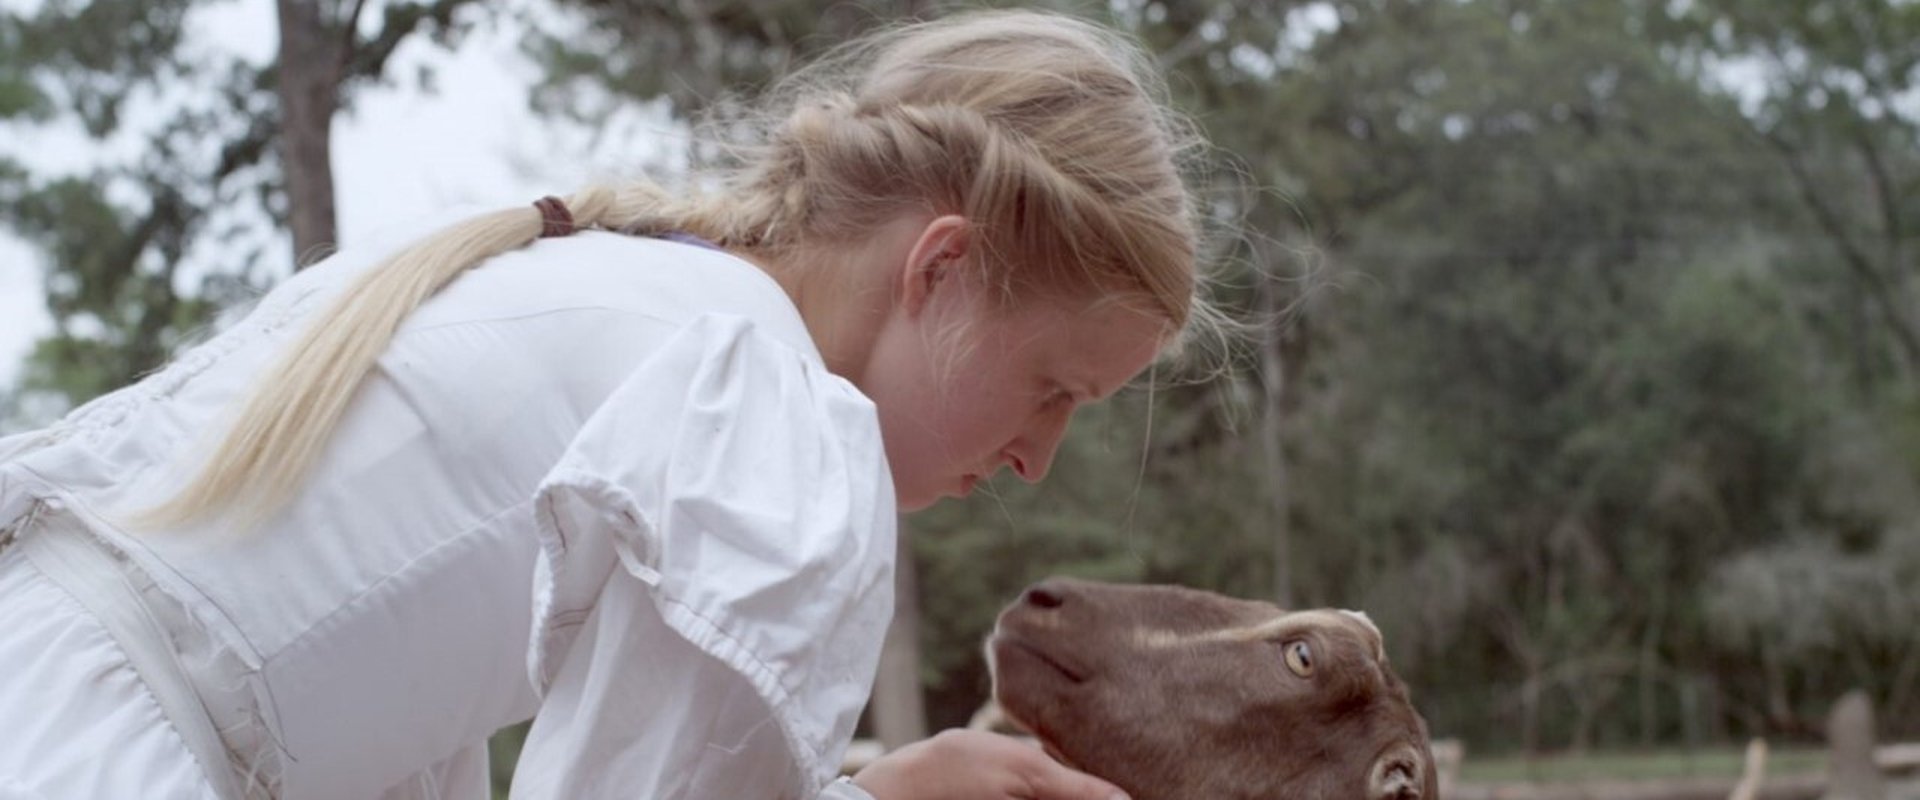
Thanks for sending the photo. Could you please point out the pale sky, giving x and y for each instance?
(399, 154)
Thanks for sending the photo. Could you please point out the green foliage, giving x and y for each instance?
(99, 54)
(1114, 509)
(115, 233)
(18, 96)
(142, 251)
(1587, 348)
(693, 55)
(1836, 115)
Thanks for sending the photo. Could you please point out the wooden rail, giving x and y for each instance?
(1896, 760)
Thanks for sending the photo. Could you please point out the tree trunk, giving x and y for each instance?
(899, 710)
(1273, 385)
(310, 72)
(1648, 671)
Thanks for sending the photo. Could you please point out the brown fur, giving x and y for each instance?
(1174, 693)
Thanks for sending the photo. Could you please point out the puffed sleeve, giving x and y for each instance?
(715, 578)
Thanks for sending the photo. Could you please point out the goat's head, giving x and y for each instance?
(1176, 693)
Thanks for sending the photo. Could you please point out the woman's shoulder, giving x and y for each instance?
(599, 273)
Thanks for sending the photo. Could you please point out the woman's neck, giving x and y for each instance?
(842, 296)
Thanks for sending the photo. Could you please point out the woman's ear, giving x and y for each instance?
(934, 259)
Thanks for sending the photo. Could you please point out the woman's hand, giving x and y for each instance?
(976, 765)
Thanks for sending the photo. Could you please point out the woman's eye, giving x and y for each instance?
(1300, 658)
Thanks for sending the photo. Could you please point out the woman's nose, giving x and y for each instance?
(1031, 456)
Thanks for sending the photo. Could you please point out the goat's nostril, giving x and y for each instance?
(1043, 596)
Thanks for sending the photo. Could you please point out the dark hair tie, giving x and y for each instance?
(555, 219)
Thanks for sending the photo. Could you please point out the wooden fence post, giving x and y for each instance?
(1852, 775)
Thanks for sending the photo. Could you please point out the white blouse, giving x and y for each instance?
(603, 478)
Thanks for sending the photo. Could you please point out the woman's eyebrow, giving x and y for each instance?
(1082, 387)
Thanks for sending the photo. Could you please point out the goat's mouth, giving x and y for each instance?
(1008, 648)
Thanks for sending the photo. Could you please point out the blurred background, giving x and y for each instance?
(1585, 335)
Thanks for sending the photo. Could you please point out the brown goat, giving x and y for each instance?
(1174, 693)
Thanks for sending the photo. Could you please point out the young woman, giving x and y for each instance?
(625, 463)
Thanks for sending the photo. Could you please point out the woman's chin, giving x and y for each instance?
(917, 501)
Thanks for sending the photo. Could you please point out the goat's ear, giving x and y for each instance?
(1396, 774)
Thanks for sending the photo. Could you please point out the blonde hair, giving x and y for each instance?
(1051, 135)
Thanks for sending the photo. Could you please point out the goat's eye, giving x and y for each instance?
(1300, 658)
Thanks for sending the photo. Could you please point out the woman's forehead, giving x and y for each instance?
(1092, 345)
(1110, 343)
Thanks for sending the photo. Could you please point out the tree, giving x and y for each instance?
(125, 238)
(1828, 105)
